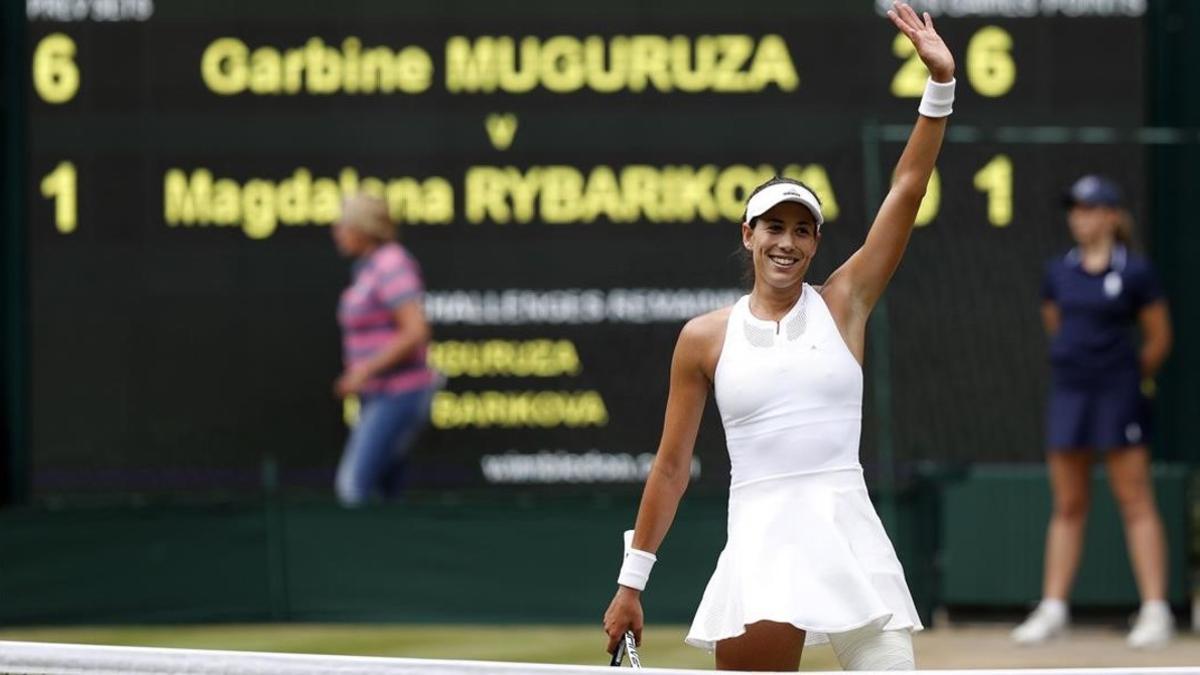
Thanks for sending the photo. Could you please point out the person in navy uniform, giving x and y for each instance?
(1091, 299)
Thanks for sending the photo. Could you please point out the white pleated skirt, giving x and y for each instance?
(807, 550)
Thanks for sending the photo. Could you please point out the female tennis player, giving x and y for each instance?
(806, 560)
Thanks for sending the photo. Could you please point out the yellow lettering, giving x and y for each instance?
(471, 67)
(293, 70)
(187, 201)
(226, 202)
(642, 191)
(486, 195)
(513, 77)
(734, 51)
(699, 76)
(518, 409)
(266, 71)
(648, 63)
(562, 64)
(259, 205)
(223, 66)
(561, 189)
(610, 79)
(295, 197)
(326, 204)
(414, 70)
(773, 65)
(351, 51)
(258, 209)
(377, 74)
(602, 197)
(505, 358)
(323, 67)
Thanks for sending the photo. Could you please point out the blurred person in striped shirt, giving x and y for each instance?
(384, 341)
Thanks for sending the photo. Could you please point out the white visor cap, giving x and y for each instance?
(778, 193)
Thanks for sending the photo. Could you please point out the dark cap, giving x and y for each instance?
(1093, 190)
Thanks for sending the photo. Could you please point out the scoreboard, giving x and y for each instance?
(570, 177)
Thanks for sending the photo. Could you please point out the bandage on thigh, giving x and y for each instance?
(869, 648)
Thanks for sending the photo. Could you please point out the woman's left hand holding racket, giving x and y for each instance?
(624, 614)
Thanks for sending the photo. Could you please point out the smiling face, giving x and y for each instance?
(782, 243)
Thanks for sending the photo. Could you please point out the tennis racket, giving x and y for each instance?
(627, 645)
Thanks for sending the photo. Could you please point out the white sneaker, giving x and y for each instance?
(1153, 629)
(1042, 625)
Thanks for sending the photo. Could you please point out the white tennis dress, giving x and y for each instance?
(804, 544)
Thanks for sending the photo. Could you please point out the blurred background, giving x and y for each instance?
(570, 177)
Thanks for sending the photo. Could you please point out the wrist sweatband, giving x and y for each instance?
(635, 568)
(938, 100)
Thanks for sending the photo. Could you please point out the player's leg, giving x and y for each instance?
(766, 645)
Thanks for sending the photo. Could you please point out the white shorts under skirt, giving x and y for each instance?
(807, 550)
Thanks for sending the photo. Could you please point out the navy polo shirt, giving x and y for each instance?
(1098, 312)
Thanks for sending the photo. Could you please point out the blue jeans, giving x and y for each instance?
(377, 451)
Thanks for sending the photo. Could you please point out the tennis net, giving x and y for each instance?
(42, 658)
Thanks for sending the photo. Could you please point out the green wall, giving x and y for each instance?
(549, 560)
(966, 540)
(543, 560)
(993, 523)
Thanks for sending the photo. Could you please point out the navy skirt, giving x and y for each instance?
(1102, 413)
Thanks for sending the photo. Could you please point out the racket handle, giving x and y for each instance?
(618, 654)
(631, 648)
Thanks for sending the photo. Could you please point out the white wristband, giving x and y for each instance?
(635, 568)
(938, 100)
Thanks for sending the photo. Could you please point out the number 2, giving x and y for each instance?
(909, 81)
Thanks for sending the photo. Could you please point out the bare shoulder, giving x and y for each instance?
(706, 327)
(701, 340)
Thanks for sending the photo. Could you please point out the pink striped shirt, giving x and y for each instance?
(384, 281)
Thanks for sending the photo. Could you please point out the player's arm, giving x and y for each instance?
(1051, 317)
(671, 471)
(1155, 322)
(861, 280)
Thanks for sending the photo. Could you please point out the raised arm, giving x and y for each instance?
(861, 280)
(690, 379)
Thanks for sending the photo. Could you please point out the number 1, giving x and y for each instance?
(59, 185)
(995, 178)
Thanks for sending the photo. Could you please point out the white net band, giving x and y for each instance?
(41, 658)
